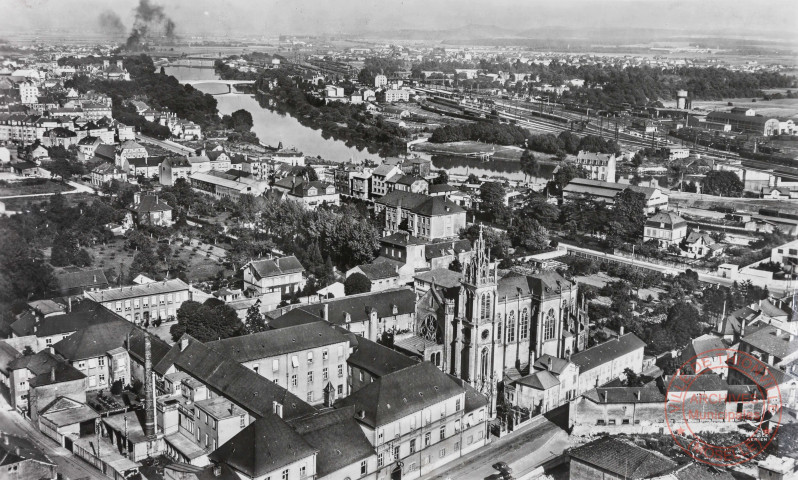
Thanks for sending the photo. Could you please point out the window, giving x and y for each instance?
(427, 439)
(162, 299)
(241, 421)
(169, 298)
(611, 422)
(457, 405)
(511, 327)
(340, 371)
(102, 379)
(396, 452)
(206, 440)
(136, 303)
(285, 474)
(380, 460)
(442, 453)
(443, 432)
(310, 358)
(325, 373)
(456, 426)
(325, 354)
(380, 435)
(548, 325)
(413, 446)
(524, 326)
(310, 396)
(101, 361)
(340, 389)
(364, 467)
(294, 361)
(625, 421)
(310, 377)
(484, 309)
(294, 382)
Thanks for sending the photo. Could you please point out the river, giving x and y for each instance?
(272, 128)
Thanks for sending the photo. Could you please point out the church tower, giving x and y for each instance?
(475, 353)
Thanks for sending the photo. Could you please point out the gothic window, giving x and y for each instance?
(499, 327)
(429, 329)
(484, 309)
(485, 364)
(524, 325)
(548, 325)
(511, 327)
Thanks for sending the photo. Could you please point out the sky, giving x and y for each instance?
(275, 17)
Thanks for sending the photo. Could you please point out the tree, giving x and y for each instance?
(206, 322)
(635, 380)
(492, 196)
(722, 183)
(682, 323)
(357, 283)
(536, 207)
(530, 234)
(566, 173)
(442, 178)
(255, 321)
(472, 179)
(529, 165)
(65, 249)
(456, 266)
(628, 217)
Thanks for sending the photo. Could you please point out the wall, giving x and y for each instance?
(27, 469)
(41, 397)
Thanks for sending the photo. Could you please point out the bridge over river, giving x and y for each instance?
(229, 83)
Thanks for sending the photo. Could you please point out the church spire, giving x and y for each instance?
(478, 271)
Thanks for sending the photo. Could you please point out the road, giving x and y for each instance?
(69, 466)
(523, 451)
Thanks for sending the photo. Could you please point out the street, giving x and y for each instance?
(523, 451)
(69, 466)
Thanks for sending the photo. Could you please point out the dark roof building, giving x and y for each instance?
(608, 457)
(75, 281)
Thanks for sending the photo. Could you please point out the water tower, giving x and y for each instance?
(681, 99)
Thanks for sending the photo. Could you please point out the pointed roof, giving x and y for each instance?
(264, 446)
(271, 267)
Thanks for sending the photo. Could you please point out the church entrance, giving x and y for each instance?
(396, 474)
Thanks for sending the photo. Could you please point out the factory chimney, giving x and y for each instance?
(149, 405)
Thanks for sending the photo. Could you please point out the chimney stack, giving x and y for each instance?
(149, 405)
(52, 374)
(620, 332)
(69, 304)
(548, 364)
(183, 344)
(638, 394)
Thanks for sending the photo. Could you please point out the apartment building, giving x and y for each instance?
(143, 303)
(308, 360)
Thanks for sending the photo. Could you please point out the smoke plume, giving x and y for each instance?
(110, 23)
(150, 20)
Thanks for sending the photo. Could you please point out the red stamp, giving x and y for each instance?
(697, 404)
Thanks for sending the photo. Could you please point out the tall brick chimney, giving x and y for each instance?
(149, 405)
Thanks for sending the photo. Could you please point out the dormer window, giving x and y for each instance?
(394, 310)
(347, 317)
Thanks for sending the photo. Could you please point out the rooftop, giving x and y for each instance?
(272, 267)
(606, 352)
(622, 459)
(133, 291)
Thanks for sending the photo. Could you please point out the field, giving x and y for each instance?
(31, 186)
(785, 107)
(202, 260)
(470, 148)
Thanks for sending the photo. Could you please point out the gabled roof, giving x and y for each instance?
(358, 306)
(228, 377)
(133, 291)
(441, 188)
(151, 203)
(264, 446)
(645, 394)
(606, 352)
(669, 219)
(337, 437)
(553, 364)
(540, 380)
(20, 449)
(705, 381)
(377, 359)
(378, 271)
(409, 180)
(442, 249)
(402, 239)
(402, 393)
(544, 285)
(774, 341)
(105, 151)
(695, 237)
(89, 314)
(42, 365)
(272, 267)
(622, 459)
(69, 280)
(278, 342)
(130, 144)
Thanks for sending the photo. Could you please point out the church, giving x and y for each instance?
(484, 329)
